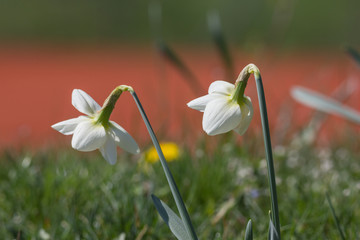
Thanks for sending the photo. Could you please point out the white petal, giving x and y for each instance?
(123, 138)
(67, 127)
(88, 136)
(108, 151)
(221, 115)
(247, 113)
(201, 102)
(84, 103)
(221, 87)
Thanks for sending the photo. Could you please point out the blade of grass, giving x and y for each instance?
(335, 217)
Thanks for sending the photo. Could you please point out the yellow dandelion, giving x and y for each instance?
(170, 149)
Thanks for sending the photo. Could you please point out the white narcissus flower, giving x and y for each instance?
(223, 111)
(89, 133)
(324, 103)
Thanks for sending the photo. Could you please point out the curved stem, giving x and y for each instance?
(174, 190)
(109, 104)
(268, 149)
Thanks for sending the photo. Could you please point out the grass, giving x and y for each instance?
(64, 194)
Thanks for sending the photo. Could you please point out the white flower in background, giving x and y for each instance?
(44, 235)
(323, 103)
(225, 109)
(95, 131)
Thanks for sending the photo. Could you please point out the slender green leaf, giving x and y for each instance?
(166, 51)
(249, 231)
(170, 218)
(170, 55)
(335, 217)
(323, 103)
(214, 25)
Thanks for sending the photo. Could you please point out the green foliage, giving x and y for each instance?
(174, 223)
(249, 23)
(72, 195)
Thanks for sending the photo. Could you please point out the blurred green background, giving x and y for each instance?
(281, 23)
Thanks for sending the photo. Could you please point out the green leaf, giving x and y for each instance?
(170, 55)
(249, 231)
(323, 103)
(214, 25)
(171, 219)
(273, 234)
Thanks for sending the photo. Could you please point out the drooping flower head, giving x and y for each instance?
(225, 107)
(95, 130)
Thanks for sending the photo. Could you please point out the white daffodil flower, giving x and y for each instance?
(95, 131)
(224, 108)
(324, 103)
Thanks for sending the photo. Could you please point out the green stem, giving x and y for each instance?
(240, 85)
(108, 107)
(174, 190)
(268, 150)
(239, 92)
(109, 104)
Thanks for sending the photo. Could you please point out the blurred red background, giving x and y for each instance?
(37, 81)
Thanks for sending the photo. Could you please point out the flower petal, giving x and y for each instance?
(84, 103)
(88, 136)
(201, 102)
(67, 127)
(221, 87)
(221, 115)
(108, 150)
(247, 113)
(123, 138)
